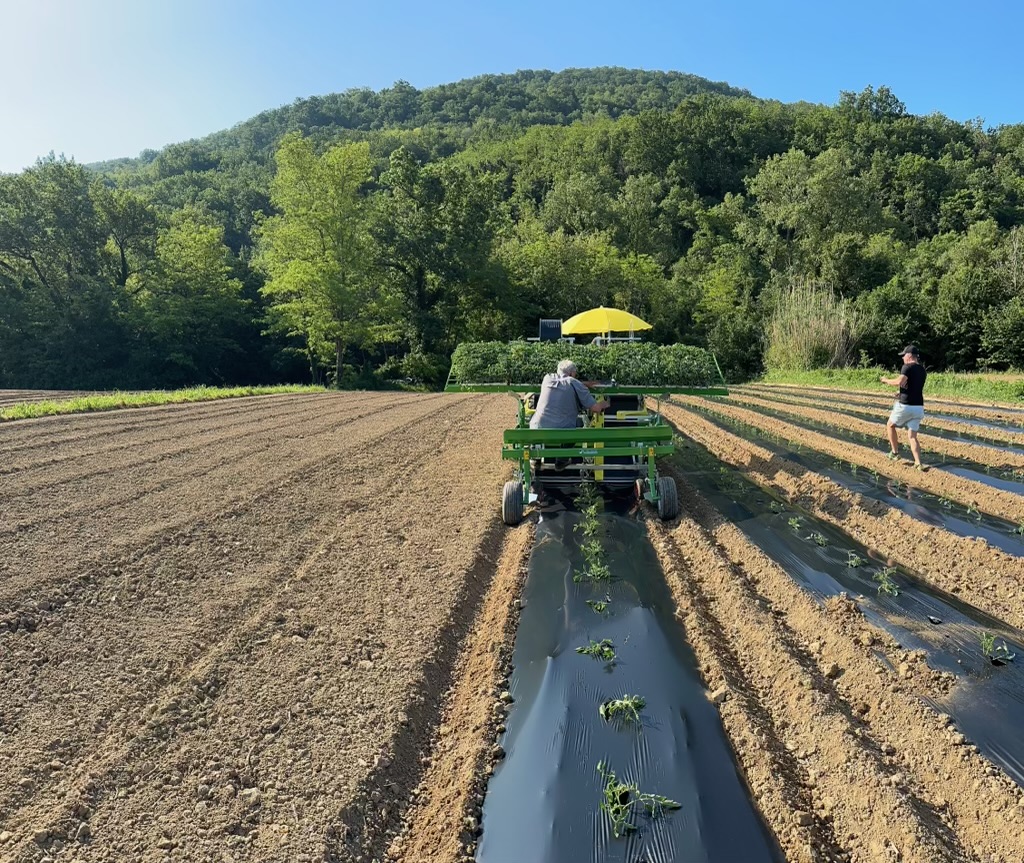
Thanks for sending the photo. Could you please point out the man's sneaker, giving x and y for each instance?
(921, 467)
(893, 456)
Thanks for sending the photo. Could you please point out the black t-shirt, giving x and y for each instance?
(912, 393)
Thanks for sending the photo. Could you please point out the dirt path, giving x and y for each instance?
(880, 407)
(845, 761)
(258, 675)
(994, 501)
(929, 443)
(986, 577)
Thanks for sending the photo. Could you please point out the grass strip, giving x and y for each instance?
(987, 387)
(117, 400)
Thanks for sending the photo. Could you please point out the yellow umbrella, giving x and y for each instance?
(604, 321)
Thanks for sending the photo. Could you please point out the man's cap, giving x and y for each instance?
(910, 349)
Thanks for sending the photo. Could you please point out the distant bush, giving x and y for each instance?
(811, 328)
(626, 363)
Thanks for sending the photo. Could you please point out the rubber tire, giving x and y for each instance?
(512, 503)
(668, 499)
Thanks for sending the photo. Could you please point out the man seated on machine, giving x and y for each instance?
(562, 397)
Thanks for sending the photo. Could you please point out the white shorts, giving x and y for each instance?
(906, 416)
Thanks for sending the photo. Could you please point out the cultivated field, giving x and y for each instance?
(278, 628)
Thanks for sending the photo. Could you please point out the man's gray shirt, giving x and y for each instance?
(561, 400)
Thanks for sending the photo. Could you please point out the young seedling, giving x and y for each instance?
(853, 469)
(946, 502)
(998, 654)
(592, 550)
(885, 582)
(595, 571)
(853, 559)
(819, 539)
(620, 799)
(777, 507)
(603, 649)
(625, 709)
(1019, 530)
(600, 606)
(795, 523)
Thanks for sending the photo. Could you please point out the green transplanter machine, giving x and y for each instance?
(616, 450)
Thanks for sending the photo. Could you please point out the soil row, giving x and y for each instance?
(929, 443)
(113, 517)
(258, 683)
(882, 407)
(825, 712)
(1010, 413)
(1004, 504)
(986, 577)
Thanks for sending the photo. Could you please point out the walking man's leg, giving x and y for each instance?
(894, 440)
(915, 446)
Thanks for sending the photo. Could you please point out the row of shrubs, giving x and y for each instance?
(628, 363)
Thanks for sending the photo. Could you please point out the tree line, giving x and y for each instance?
(362, 251)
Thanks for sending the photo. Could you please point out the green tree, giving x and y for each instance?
(315, 250)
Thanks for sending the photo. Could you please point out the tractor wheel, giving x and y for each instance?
(512, 503)
(668, 500)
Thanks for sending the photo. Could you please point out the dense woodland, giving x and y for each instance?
(358, 238)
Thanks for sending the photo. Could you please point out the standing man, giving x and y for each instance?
(908, 410)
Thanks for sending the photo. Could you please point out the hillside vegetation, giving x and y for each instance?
(359, 237)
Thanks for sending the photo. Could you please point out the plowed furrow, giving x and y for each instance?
(324, 593)
(997, 502)
(881, 407)
(152, 517)
(992, 579)
(884, 771)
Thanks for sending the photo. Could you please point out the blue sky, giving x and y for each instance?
(98, 79)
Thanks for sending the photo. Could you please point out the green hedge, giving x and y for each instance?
(627, 363)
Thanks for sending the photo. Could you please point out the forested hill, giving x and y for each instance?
(524, 98)
(361, 237)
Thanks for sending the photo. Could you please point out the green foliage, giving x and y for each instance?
(626, 709)
(405, 222)
(638, 364)
(811, 327)
(886, 584)
(620, 800)
(997, 653)
(603, 649)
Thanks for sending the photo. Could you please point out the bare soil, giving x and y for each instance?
(278, 629)
(241, 647)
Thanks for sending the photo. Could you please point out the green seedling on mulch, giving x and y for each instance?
(603, 649)
(885, 583)
(594, 571)
(600, 605)
(777, 507)
(592, 550)
(620, 800)
(853, 469)
(625, 709)
(996, 653)
(589, 527)
(946, 502)
(795, 523)
(819, 539)
(853, 559)
(1019, 529)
